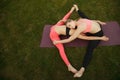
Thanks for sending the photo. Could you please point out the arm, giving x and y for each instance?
(72, 37)
(61, 22)
(104, 38)
(88, 37)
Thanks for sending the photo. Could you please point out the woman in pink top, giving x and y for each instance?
(83, 26)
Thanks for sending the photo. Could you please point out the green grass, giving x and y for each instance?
(21, 26)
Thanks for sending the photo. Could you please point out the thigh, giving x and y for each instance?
(56, 37)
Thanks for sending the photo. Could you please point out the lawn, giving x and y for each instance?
(21, 27)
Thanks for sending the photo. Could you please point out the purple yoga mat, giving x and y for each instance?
(111, 30)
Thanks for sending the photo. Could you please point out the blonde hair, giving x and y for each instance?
(67, 21)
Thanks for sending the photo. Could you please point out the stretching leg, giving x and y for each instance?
(60, 47)
(88, 56)
(82, 15)
(92, 44)
(64, 58)
(89, 52)
(62, 53)
(62, 21)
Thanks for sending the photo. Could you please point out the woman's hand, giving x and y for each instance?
(55, 42)
(104, 38)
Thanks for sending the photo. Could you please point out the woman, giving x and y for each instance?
(60, 29)
(87, 27)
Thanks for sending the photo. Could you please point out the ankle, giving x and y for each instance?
(69, 65)
(82, 69)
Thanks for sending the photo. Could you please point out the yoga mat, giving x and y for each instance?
(111, 30)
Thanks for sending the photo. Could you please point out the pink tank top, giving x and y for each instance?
(89, 24)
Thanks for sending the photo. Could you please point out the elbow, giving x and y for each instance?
(69, 40)
(83, 37)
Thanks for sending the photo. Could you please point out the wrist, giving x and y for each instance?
(101, 38)
(59, 42)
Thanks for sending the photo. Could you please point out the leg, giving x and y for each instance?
(55, 36)
(90, 48)
(81, 14)
(64, 58)
(62, 53)
(88, 56)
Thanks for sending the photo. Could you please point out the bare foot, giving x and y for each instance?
(76, 7)
(102, 23)
(80, 72)
(72, 69)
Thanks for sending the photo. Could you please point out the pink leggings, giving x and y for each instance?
(54, 36)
